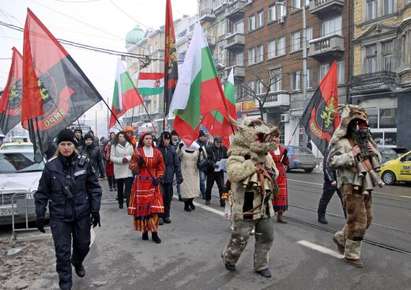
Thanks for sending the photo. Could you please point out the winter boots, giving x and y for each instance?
(349, 248)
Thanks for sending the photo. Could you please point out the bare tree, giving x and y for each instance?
(262, 90)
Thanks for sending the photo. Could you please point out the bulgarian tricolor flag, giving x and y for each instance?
(125, 94)
(198, 91)
(217, 125)
(150, 83)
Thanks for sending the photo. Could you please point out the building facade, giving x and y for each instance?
(381, 80)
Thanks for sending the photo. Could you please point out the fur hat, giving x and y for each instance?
(65, 135)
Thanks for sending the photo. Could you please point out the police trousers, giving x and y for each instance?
(63, 233)
(264, 237)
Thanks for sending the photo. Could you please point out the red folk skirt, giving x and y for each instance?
(280, 202)
(109, 168)
(146, 202)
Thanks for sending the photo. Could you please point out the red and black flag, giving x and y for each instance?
(56, 92)
(170, 59)
(11, 98)
(321, 117)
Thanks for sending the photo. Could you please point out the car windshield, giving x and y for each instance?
(15, 162)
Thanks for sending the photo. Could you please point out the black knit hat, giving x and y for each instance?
(88, 136)
(78, 129)
(65, 135)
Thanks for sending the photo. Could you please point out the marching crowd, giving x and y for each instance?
(144, 171)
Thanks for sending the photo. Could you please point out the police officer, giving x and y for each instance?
(329, 187)
(70, 187)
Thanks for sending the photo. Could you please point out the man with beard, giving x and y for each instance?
(354, 156)
(94, 154)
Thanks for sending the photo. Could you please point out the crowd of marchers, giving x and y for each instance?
(250, 177)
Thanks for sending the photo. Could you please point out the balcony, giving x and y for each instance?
(374, 82)
(323, 8)
(235, 41)
(236, 9)
(326, 47)
(207, 15)
(239, 71)
(277, 99)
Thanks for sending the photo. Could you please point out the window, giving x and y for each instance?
(389, 7)
(323, 70)
(259, 54)
(271, 49)
(308, 82)
(296, 81)
(307, 3)
(221, 28)
(260, 19)
(239, 59)
(296, 4)
(387, 57)
(309, 34)
(251, 56)
(281, 46)
(387, 118)
(371, 9)
(276, 47)
(370, 64)
(272, 15)
(295, 41)
(275, 76)
(238, 27)
(259, 88)
(332, 26)
(251, 23)
(341, 72)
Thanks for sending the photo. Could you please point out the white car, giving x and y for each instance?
(19, 179)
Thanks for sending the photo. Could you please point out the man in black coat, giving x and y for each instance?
(71, 190)
(94, 154)
(215, 153)
(329, 187)
(172, 167)
(79, 140)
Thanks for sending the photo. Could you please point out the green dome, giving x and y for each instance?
(135, 35)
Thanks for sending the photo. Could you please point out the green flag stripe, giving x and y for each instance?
(126, 82)
(208, 70)
(229, 92)
(191, 114)
(218, 116)
(116, 97)
(150, 91)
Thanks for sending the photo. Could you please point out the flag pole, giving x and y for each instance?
(115, 117)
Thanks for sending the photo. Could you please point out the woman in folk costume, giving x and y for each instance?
(146, 202)
(189, 156)
(280, 158)
(109, 164)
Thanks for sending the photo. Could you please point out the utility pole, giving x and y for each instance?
(304, 57)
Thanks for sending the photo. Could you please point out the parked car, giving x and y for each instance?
(396, 170)
(301, 158)
(391, 153)
(19, 178)
(16, 145)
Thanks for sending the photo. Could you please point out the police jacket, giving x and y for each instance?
(70, 187)
(172, 164)
(96, 158)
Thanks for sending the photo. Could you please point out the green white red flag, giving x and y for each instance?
(198, 91)
(150, 83)
(125, 95)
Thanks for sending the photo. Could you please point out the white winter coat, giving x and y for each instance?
(118, 152)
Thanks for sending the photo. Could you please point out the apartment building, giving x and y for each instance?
(274, 54)
(381, 79)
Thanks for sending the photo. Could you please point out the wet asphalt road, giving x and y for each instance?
(189, 256)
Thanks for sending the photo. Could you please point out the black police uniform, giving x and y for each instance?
(328, 190)
(71, 189)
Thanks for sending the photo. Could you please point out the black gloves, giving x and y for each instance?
(180, 145)
(95, 219)
(40, 224)
(180, 180)
(247, 156)
(155, 181)
(140, 161)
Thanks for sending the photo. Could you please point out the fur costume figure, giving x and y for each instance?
(251, 171)
(355, 157)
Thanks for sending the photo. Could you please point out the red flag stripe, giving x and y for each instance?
(150, 76)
